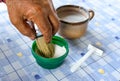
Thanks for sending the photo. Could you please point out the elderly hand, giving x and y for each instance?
(39, 12)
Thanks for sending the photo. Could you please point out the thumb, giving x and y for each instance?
(25, 27)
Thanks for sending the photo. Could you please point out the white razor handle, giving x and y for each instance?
(79, 62)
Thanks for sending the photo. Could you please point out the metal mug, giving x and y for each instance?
(74, 20)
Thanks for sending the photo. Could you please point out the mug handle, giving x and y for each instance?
(91, 14)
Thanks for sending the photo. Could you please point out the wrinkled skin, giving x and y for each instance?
(39, 12)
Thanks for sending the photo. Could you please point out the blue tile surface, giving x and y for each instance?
(103, 28)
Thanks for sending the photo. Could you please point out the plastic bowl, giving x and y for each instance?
(51, 63)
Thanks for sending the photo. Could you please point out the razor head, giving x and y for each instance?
(97, 51)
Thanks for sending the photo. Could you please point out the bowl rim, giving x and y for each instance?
(47, 59)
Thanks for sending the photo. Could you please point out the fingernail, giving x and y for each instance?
(47, 40)
(32, 37)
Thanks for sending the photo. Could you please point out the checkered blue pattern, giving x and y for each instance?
(103, 29)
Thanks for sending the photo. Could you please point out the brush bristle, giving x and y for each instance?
(44, 49)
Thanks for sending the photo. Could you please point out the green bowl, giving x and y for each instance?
(51, 63)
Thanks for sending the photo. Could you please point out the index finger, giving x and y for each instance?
(41, 20)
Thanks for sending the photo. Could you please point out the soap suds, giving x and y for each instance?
(59, 51)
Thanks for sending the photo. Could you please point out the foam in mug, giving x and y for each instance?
(73, 16)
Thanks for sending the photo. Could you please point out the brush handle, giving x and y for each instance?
(38, 35)
(79, 62)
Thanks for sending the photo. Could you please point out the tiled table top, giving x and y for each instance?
(18, 64)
